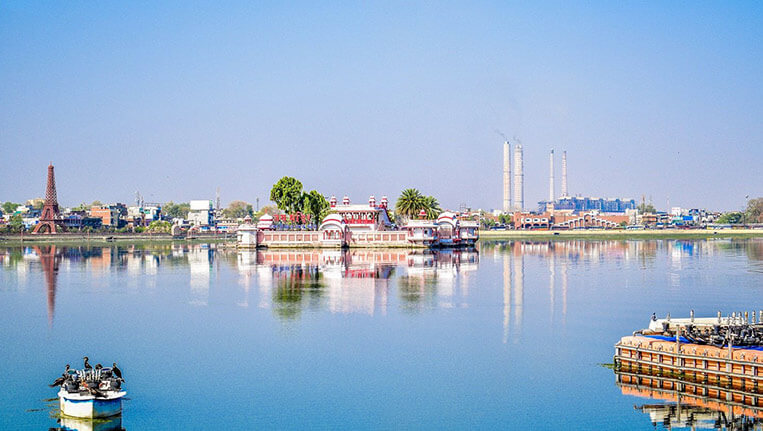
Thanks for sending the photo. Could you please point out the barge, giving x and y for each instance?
(724, 351)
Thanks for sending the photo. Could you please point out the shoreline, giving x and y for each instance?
(108, 239)
(622, 234)
(485, 235)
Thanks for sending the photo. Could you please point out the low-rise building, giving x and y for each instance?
(111, 215)
(568, 220)
(201, 214)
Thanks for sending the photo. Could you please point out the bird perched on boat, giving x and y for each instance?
(117, 372)
(87, 367)
(96, 392)
(98, 366)
(64, 377)
(58, 382)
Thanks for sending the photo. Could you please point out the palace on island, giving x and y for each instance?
(363, 225)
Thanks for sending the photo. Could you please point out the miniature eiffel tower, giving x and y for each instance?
(49, 220)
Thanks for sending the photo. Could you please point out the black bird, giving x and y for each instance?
(96, 392)
(66, 371)
(117, 372)
(98, 366)
(87, 364)
(58, 382)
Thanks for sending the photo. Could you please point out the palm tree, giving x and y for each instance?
(409, 203)
(432, 207)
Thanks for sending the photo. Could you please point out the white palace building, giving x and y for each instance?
(362, 225)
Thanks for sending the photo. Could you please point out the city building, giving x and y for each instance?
(568, 220)
(110, 215)
(578, 204)
(201, 214)
(143, 215)
(76, 220)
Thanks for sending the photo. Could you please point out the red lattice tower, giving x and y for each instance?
(49, 220)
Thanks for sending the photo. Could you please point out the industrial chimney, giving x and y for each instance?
(506, 177)
(564, 174)
(519, 184)
(551, 176)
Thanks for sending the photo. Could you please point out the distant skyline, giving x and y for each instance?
(176, 99)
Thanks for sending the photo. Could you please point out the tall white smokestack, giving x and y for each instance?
(506, 177)
(519, 178)
(551, 176)
(564, 174)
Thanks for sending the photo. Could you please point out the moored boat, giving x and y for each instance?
(85, 405)
(90, 393)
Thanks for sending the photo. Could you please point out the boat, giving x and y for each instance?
(91, 394)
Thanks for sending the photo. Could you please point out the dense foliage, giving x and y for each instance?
(9, 207)
(238, 209)
(411, 202)
(173, 210)
(288, 196)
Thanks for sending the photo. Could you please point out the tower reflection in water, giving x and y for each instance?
(354, 281)
(680, 403)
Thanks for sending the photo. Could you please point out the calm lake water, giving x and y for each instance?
(511, 335)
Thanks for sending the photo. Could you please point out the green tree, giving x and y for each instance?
(754, 212)
(173, 210)
(316, 205)
(432, 207)
(730, 218)
(287, 195)
(16, 223)
(646, 208)
(238, 209)
(159, 226)
(96, 203)
(9, 207)
(506, 219)
(410, 202)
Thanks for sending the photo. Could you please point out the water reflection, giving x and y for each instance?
(693, 405)
(367, 281)
(358, 281)
(74, 424)
(49, 260)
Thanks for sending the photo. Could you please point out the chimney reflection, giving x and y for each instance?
(551, 286)
(506, 293)
(519, 287)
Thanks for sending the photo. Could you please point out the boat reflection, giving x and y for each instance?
(74, 424)
(682, 403)
(353, 281)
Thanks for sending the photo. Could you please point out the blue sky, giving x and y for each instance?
(176, 99)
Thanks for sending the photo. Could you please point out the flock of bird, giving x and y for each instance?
(91, 386)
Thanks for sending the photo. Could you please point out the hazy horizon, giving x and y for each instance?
(178, 99)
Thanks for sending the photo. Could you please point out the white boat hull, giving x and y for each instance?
(88, 406)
